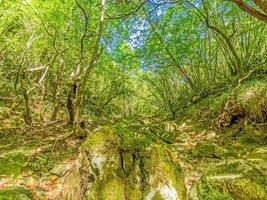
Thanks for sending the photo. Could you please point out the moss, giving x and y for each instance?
(158, 196)
(210, 106)
(207, 192)
(13, 164)
(252, 97)
(233, 181)
(242, 141)
(260, 153)
(112, 188)
(243, 188)
(94, 140)
(165, 170)
(109, 187)
(207, 149)
(15, 193)
(216, 104)
(133, 193)
(131, 160)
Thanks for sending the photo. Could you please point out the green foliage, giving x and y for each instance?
(152, 60)
(15, 193)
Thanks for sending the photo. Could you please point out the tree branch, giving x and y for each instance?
(252, 11)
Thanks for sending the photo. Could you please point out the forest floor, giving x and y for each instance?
(35, 160)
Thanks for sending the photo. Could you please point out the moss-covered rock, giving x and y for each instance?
(12, 164)
(15, 193)
(258, 159)
(115, 167)
(207, 149)
(235, 180)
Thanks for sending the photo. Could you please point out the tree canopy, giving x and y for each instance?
(125, 58)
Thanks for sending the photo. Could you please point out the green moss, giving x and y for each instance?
(210, 106)
(158, 196)
(206, 191)
(12, 165)
(258, 153)
(243, 188)
(15, 193)
(173, 171)
(132, 159)
(98, 139)
(233, 181)
(133, 193)
(207, 149)
(253, 99)
(109, 187)
(216, 104)
(165, 169)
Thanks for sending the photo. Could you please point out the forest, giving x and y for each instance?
(133, 100)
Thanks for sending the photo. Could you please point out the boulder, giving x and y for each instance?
(230, 181)
(114, 167)
(12, 163)
(208, 149)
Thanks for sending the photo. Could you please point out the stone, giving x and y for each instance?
(60, 170)
(113, 168)
(12, 164)
(258, 158)
(207, 149)
(230, 181)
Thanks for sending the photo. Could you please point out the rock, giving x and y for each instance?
(260, 152)
(39, 194)
(258, 158)
(207, 149)
(111, 167)
(15, 193)
(60, 170)
(235, 180)
(163, 192)
(12, 164)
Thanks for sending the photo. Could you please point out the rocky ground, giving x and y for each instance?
(148, 159)
(33, 160)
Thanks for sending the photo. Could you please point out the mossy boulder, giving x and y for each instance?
(258, 153)
(207, 149)
(258, 158)
(231, 181)
(112, 167)
(15, 193)
(12, 164)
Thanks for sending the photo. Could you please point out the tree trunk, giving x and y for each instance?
(79, 78)
(27, 109)
(57, 92)
(74, 104)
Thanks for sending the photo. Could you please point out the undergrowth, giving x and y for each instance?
(250, 100)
